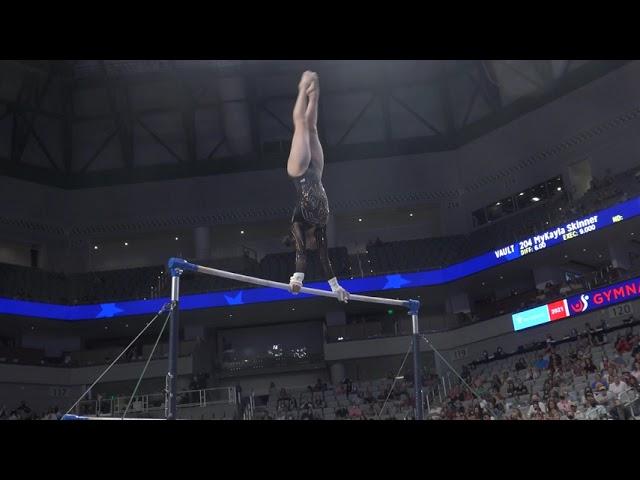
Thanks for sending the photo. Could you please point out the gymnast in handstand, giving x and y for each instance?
(305, 165)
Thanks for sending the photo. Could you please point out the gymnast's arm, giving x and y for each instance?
(323, 253)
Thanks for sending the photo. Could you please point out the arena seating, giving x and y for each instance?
(494, 381)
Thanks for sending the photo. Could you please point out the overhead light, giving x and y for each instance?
(483, 284)
(126, 244)
(566, 256)
(559, 189)
(177, 238)
(501, 277)
(241, 232)
(535, 199)
(584, 249)
(521, 194)
(95, 247)
(359, 219)
(560, 208)
(340, 338)
(293, 309)
(106, 328)
(230, 315)
(498, 204)
(126, 325)
(411, 214)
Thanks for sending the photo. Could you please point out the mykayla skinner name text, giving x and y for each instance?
(551, 237)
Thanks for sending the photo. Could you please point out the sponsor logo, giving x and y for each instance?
(617, 218)
(558, 310)
(581, 305)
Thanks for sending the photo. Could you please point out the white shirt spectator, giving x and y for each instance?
(618, 387)
(579, 415)
(595, 413)
(531, 410)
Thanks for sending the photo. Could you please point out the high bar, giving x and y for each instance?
(178, 263)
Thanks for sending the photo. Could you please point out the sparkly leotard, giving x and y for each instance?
(312, 203)
(311, 213)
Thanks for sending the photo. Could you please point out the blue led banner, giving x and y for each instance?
(578, 304)
(536, 243)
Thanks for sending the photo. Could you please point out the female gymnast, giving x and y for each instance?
(305, 165)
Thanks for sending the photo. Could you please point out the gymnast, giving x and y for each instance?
(306, 162)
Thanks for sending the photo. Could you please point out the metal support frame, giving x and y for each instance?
(171, 403)
(123, 121)
(417, 370)
(177, 266)
(385, 87)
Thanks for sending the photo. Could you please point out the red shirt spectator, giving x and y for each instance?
(622, 345)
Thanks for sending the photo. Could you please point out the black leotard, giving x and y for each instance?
(311, 213)
(312, 204)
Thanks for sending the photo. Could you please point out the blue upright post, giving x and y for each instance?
(174, 340)
(414, 306)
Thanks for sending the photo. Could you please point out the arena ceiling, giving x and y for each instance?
(83, 123)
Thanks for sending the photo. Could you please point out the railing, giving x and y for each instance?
(629, 399)
(250, 407)
(153, 402)
(437, 394)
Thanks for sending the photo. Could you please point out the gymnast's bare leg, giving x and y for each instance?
(305, 166)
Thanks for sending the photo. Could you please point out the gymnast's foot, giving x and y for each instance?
(306, 80)
(314, 85)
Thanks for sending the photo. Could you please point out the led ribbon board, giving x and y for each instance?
(500, 256)
(578, 304)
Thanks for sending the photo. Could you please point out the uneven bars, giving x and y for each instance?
(177, 266)
(178, 263)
